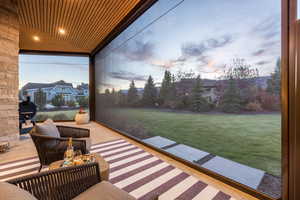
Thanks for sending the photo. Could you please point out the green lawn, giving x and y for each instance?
(253, 140)
(69, 114)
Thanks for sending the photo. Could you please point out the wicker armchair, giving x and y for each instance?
(60, 184)
(51, 149)
(78, 183)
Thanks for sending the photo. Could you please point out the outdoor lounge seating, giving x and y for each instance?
(51, 141)
(77, 182)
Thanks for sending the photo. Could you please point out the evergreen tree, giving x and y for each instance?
(40, 99)
(273, 84)
(167, 94)
(113, 97)
(199, 103)
(132, 96)
(231, 100)
(150, 93)
(165, 86)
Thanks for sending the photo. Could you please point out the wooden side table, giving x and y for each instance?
(103, 166)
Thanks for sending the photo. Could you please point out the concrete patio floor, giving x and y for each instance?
(24, 148)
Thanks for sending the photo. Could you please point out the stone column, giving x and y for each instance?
(9, 84)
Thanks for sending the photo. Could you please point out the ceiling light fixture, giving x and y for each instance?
(61, 31)
(36, 38)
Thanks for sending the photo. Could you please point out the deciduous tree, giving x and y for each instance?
(40, 99)
(58, 100)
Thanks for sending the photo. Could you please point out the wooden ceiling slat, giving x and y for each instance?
(79, 27)
(84, 34)
(86, 22)
(75, 8)
(100, 14)
(96, 35)
(112, 24)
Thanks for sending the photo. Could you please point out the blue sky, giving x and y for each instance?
(203, 36)
(47, 69)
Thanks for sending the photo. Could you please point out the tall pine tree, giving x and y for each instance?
(199, 103)
(150, 93)
(167, 90)
(132, 96)
(273, 84)
(231, 99)
(165, 86)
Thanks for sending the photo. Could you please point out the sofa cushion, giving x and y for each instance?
(12, 192)
(48, 128)
(106, 191)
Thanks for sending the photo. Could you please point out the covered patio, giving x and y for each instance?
(116, 111)
(132, 168)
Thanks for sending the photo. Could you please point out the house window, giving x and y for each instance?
(50, 77)
(200, 80)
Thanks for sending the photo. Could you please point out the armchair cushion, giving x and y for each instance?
(12, 192)
(104, 191)
(48, 128)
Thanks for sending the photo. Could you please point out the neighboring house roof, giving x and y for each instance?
(45, 85)
(83, 86)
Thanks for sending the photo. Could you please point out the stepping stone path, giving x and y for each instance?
(186, 152)
(241, 173)
(159, 142)
(238, 172)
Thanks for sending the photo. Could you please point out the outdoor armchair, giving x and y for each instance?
(51, 148)
(77, 183)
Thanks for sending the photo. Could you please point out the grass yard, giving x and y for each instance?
(69, 114)
(254, 140)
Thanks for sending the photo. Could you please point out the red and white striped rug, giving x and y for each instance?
(138, 172)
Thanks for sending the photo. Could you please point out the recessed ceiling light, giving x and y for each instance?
(61, 31)
(36, 38)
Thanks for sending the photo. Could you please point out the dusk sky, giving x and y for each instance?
(47, 69)
(203, 36)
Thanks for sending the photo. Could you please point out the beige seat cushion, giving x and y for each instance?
(12, 192)
(48, 128)
(104, 191)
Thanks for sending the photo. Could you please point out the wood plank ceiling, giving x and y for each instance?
(85, 23)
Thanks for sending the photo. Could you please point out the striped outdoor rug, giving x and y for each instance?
(135, 171)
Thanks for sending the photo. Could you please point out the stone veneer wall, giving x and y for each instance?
(9, 84)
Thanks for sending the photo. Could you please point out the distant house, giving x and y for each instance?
(185, 87)
(83, 89)
(57, 88)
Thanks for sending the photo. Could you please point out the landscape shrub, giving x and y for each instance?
(60, 116)
(41, 117)
(83, 102)
(270, 102)
(71, 104)
(254, 106)
(169, 104)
